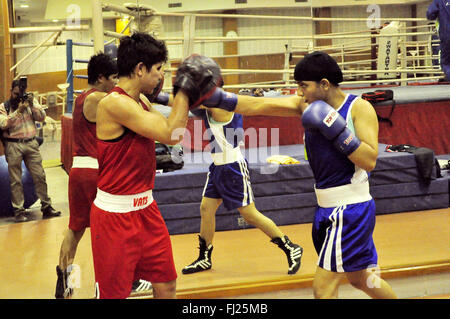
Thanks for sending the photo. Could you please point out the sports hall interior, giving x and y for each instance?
(257, 44)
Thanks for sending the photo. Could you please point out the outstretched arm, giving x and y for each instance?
(282, 106)
(249, 105)
(201, 79)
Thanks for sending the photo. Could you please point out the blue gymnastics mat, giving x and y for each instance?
(285, 193)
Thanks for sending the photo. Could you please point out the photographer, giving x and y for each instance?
(17, 122)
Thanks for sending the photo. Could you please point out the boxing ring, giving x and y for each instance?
(407, 43)
(399, 53)
(287, 195)
(418, 118)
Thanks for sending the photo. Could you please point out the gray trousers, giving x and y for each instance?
(28, 152)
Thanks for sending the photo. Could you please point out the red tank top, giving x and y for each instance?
(127, 165)
(84, 132)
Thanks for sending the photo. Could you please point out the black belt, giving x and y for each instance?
(19, 140)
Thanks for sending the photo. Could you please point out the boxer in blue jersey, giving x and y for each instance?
(228, 182)
(341, 140)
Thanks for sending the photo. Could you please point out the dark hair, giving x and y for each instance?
(139, 47)
(100, 64)
(317, 66)
(14, 83)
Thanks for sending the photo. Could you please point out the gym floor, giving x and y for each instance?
(414, 255)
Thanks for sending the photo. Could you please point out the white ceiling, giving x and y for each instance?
(35, 11)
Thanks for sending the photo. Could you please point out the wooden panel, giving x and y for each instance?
(55, 112)
(322, 27)
(230, 48)
(5, 52)
(261, 62)
(47, 82)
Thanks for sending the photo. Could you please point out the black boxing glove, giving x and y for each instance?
(198, 76)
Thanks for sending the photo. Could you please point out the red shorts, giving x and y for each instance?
(127, 247)
(82, 190)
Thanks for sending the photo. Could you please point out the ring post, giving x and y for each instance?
(97, 26)
(69, 73)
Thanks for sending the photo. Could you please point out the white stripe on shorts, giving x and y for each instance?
(206, 184)
(337, 219)
(244, 183)
(248, 192)
(339, 262)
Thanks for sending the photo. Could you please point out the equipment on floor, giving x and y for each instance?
(5, 189)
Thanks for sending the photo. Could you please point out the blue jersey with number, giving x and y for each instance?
(330, 167)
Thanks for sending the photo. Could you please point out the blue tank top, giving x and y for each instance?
(224, 135)
(330, 167)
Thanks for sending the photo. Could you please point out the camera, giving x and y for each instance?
(23, 95)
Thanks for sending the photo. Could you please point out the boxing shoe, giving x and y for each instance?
(203, 261)
(141, 286)
(293, 253)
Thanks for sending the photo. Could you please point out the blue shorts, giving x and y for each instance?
(342, 237)
(231, 182)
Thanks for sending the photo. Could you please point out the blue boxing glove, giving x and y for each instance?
(222, 100)
(321, 116)
(162, 98)
(157, 96)
(199, 112)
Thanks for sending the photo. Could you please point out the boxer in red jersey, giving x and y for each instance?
(102, 76)
(129, 237)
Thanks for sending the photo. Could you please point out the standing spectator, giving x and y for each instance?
(17, 122)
